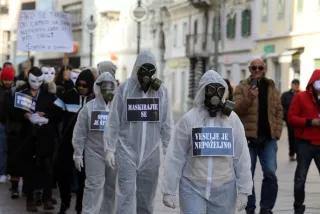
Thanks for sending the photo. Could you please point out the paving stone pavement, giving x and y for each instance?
(283, 206)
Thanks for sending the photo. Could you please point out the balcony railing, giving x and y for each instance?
(200, 3)
(200, 45)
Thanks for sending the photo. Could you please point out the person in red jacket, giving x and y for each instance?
(304, 116)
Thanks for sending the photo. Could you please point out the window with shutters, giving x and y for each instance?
(300, 6)
(264, 10)
(231, 27)
(246, 23)
(216, 25)
(281, 9)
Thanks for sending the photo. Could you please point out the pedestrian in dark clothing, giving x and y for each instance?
(6, 83)
(258, 104)
(63, 80)
(286, 99)
(37, 113)
(304, 116)
(71, 103)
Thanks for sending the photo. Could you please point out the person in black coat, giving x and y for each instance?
(37, 112)
(286, 99)
(71, 103)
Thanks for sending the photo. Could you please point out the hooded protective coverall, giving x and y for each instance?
(207, 184)
(137, 144)
(100, 178)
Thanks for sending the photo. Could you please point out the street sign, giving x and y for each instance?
(139, 13)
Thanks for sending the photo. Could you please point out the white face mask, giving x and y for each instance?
(48, 74)
(316, 85)
(74, 76)
(35, 82)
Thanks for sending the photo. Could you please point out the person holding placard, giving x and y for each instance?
(37, 110)
(87, 140)
(208, 157)
(139, 119)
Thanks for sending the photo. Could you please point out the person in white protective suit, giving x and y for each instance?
(99, 191)
(208, 155)
(106, 66)
(140, 118)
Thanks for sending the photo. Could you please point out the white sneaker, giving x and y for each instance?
(3, 179)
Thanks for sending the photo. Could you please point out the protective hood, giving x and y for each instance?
(208, 77)
(107, 66)
(106, 76)
(143, 58)
(315, 76)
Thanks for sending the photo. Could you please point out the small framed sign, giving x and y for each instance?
(98, 120)
(212, 141)
(143, 109)
(24, 101)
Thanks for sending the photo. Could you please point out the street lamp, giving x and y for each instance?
(139, 14)
(91, 25)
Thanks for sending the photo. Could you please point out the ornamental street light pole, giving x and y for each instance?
(139, 14)
(91, 25)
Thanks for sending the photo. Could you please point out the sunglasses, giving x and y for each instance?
(83, 85)
(254, 67)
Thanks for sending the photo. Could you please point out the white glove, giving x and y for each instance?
(110, 159)
(34, 118)
(42, 120)
(242, 201)
(78, 162)
(169, 200)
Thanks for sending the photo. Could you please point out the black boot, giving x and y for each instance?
(31, 206)
(299, 210)
(14, 189)
(265, 211)
(63, 208)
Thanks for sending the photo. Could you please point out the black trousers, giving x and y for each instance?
(292, 140)
(65, 178)
(305, 153)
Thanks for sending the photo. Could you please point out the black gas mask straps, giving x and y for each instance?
(145, 73)
(214, 93)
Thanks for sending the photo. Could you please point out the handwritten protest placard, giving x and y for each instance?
(46, 31)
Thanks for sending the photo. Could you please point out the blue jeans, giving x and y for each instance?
(267, 153)
(305, 153)
(3, 151)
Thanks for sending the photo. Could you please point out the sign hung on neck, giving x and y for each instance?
(98, 120)
(143, 109)
(212, 141)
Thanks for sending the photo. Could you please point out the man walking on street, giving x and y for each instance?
(304, 116)
(257, 103)
(286, 99)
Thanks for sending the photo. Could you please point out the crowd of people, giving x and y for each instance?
(80, 131)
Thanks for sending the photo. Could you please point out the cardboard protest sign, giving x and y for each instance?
(98, 120)
(46, 31)
(212, 141)
(143, 109)
(24, 101)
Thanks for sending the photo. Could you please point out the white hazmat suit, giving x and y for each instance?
(207, 184)
(137, 143)
(88, 139)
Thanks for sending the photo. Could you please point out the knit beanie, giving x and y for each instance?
(7, 73)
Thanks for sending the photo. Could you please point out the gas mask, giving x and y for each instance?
(213, 100)
(107, 90)
(48, 74)
(145, 79)
(35, 81)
